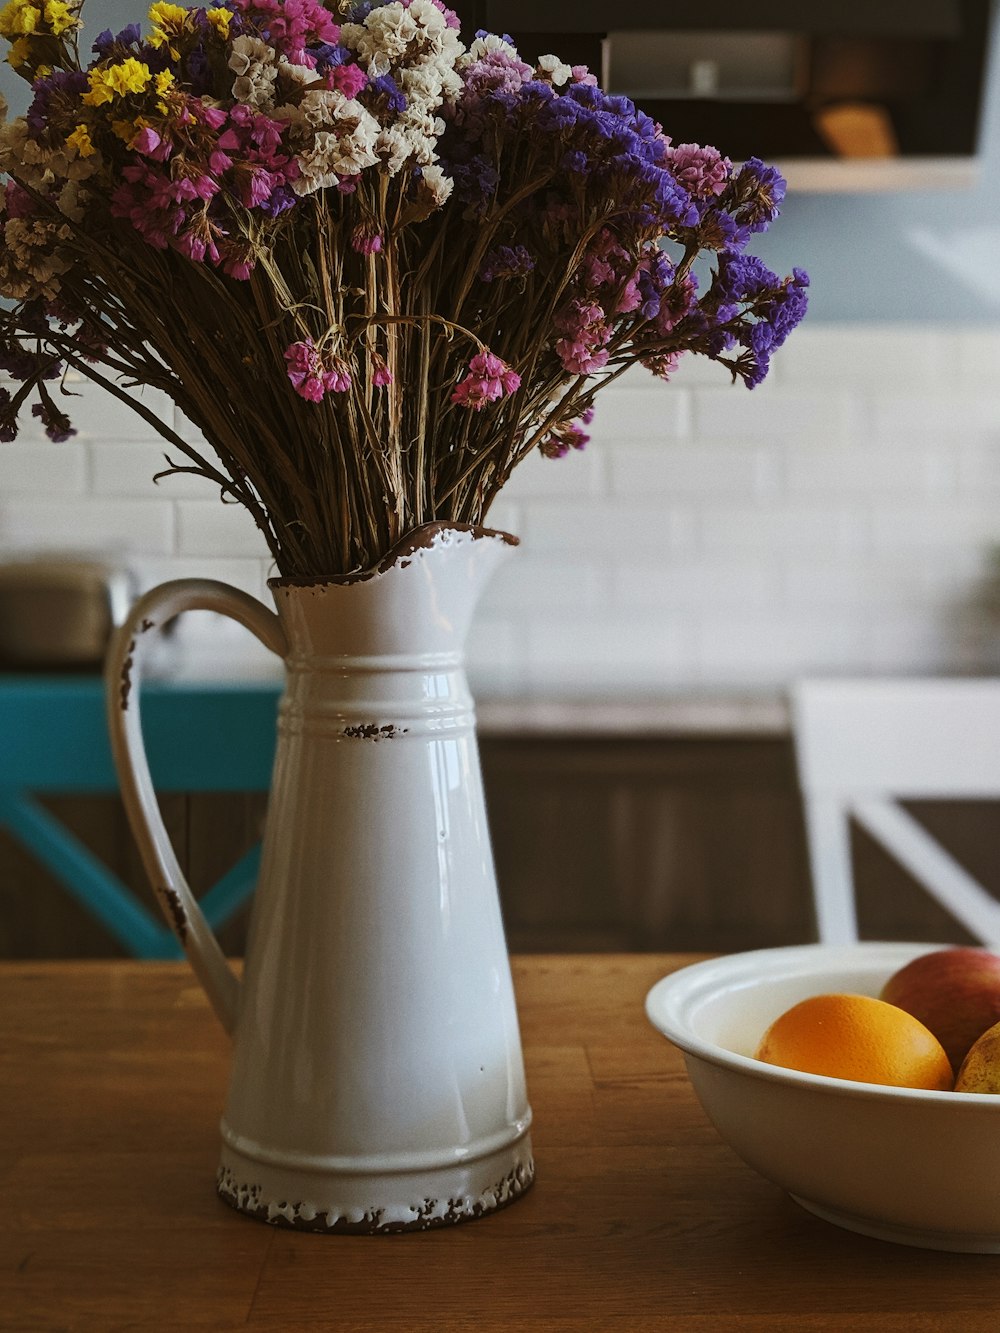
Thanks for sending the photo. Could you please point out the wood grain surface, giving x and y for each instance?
(113, 1078)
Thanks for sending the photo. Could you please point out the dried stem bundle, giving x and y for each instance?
(373, 269)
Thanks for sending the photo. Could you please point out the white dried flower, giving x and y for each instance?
(394, 149)
(322, 107)
(558, 72)
(428, 16)
(344, 149)
(388, 31)
(43, 169)
(255, 65)
(488, 45)
(30, 260)
(314, 169)
(439, 185)
(356, 150)
(430, 82)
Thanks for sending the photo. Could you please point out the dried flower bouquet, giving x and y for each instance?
(373, 266)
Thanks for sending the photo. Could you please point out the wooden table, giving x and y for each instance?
(113, 1077)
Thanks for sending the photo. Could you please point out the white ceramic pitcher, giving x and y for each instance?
(377, 1080)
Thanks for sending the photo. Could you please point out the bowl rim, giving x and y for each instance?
(667, 999)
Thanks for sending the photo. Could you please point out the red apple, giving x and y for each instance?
(980, 1071)
(954, 992)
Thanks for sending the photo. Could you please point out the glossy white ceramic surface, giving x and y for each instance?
(377, 1078)
(919, 1168)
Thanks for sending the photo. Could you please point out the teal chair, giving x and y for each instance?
(199, 738)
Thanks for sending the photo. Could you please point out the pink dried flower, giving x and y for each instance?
(348, 79)
(146, 141)
(582, 350)
(703, 172)
(315, 373)
(366, 241)
(18, 203)
(566, 436)
(489, 378)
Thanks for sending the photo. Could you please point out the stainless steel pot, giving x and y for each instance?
(57, 613)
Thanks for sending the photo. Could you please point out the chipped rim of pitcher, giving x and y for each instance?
(418, 539)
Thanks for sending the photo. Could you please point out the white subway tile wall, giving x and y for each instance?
(842, 518)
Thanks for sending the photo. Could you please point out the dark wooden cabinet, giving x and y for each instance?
(688, 843)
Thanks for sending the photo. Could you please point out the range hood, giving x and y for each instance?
(867, 94)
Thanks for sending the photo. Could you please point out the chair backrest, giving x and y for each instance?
(861, 745)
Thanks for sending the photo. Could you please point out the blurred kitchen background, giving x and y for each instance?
(709, 547)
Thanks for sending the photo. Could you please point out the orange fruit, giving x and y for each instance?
(857, 1037)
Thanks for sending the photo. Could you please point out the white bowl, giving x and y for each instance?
(919, 1168)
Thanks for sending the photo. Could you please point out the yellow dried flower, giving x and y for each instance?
(130, 76)
(19, 53)
(168, 21)
(58, 17)
(165, 15)
(80, 140)
(126, 130)
(19, 19)
(220, 20)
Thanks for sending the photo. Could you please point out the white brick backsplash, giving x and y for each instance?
(248, 575)
(506, 516)
(975, 359)
(844, 583)
(211, 528)
(495, 659)
(679, 583)
(865, 470)
(843, 517)
(209, 645)
(104, 527)
(944, 642)
(99, 415)
(692, 372)
(921, 527)
(942, 415)
(628, 654)
(784, 527)
(128, 468)
(655, 413)
(865, 355)
(31, 467)
(669, 468)
(187, 430)
(978, 466)
(580, 473)
(768, 412)
(531, 583)
(605, 529)
(776, 646)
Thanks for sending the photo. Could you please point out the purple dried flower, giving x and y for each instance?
(8, 417)
(57, 424)
(506, 261)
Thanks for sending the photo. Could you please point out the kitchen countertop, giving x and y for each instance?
(681, 714)
(640, 1220)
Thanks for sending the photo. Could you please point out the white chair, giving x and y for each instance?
(860, 745)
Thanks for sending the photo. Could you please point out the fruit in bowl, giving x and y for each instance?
(857, 1037)
(954, 992)
(980, 1070)
(914, 1165)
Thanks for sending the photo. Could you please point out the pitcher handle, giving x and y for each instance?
(123, 678)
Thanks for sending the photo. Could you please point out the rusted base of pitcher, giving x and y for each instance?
(372, 1204)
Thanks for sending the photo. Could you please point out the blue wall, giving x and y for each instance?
(908, 256)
